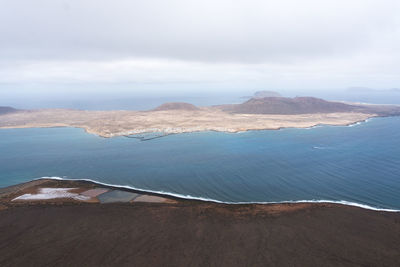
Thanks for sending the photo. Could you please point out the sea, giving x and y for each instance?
(355, 165)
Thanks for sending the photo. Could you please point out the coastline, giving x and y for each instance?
(181, 197)
(189, 197)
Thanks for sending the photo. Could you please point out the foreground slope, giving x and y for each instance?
(178, 232)
(194, 234)
(190, 233)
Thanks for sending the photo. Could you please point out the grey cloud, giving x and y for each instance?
(100, 45)
(210, 31)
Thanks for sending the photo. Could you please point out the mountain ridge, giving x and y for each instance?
(175, 106)
(304, 105)
(6, 110)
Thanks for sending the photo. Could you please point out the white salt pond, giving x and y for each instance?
(52, 193)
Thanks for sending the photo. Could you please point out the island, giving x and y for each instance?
(265, 113)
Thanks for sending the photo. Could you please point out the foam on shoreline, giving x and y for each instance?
(333, 125)
(189, 197)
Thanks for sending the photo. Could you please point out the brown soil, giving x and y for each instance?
(190, 233)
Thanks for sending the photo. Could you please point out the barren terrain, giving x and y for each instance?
(118, 123)
(67, 232)
(268, 113)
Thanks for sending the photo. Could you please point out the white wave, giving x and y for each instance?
(312, 127)
(341, 202)
(355, 124)
(360, 122)
(349, 125)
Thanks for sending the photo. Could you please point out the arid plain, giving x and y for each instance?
(269, 113)
(118, 123)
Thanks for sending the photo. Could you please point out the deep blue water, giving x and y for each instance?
(358, 164)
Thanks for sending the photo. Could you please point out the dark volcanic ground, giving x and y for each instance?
(192, 233)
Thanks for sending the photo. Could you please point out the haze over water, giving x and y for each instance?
(145, 101)
(357, 164)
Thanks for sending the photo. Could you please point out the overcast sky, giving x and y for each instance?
(48, 45)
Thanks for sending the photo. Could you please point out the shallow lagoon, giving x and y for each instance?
(360, 163)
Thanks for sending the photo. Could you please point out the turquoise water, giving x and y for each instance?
(358, 164)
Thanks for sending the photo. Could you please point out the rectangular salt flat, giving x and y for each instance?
(52, 193)
(151, 199)
(117, 196)
(94, 192)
